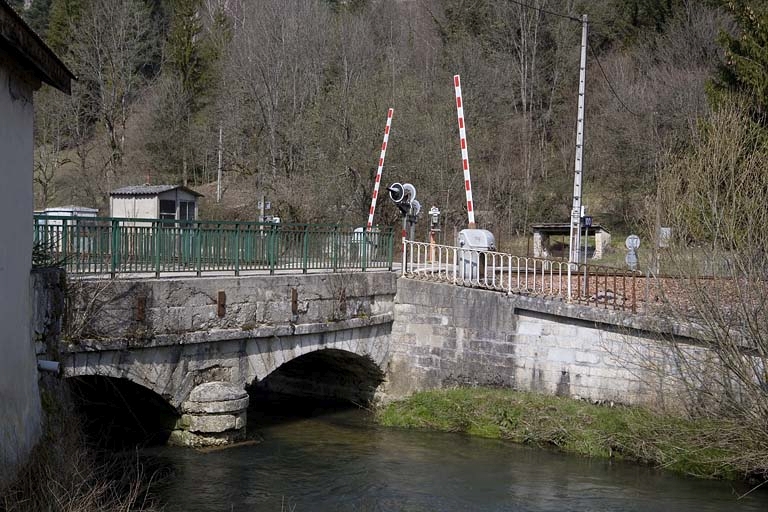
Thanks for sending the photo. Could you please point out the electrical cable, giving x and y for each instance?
(594, 54)
(567, 17)
(610, 85)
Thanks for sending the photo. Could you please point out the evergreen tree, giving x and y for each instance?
(745, 69)
(63, 14)
(189, 52)
(37, 16)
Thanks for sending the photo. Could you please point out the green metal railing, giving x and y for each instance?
(108, 245)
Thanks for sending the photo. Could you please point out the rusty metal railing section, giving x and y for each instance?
(593, 285)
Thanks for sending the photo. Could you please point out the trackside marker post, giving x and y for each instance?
(380, 168)
(464, 152)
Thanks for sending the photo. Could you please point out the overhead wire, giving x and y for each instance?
(591, 48)
(610, 85)
(529, 6)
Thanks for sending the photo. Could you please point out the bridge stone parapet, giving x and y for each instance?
(145, 309)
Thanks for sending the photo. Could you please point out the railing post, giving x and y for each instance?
(76, 245)
(115, 246)
(404, 251)
(156, 230)
(569, 283)
(364, 251)
(198, 250)
(271, 249)
(455, 264)
(64, 242)
(335, 249)
(305, 251)
(237, 249)
(634, 295)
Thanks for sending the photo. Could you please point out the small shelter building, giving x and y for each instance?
(173, 202)
(545, 247)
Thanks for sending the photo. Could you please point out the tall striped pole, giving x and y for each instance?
(464, 152)
(378, 171)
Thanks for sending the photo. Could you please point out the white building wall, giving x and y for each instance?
(143, 207)
(19, 395)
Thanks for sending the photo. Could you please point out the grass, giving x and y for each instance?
(703, 448)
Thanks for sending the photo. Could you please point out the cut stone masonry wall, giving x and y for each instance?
(445, 335)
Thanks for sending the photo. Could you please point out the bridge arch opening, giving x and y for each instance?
(119, 413)
(318, 380)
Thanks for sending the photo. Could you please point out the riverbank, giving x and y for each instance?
(64, 473)
(705, 448)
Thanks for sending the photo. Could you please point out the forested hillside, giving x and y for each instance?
(299, 90)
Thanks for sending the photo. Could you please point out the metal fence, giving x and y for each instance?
(108, 245)
(587, 284)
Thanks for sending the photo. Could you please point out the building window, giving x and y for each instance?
(186, 210)
(167, 209)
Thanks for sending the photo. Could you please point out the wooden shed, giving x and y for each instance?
(154, 202)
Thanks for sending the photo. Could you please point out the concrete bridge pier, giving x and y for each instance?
(214, 414)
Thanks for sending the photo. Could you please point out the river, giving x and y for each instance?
(341, 461)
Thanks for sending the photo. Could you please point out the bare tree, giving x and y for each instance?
(112, 46)
(712, 194)
(50, 142)
(277, 63)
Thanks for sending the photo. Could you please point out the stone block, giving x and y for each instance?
(197, 440)
(561, 355)
(587, 357)
(529, 328)
(214, 423)
(222, 406)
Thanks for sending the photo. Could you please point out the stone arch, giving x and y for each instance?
(110, 365)
(120, 411)
(329, 374)
(361, 353)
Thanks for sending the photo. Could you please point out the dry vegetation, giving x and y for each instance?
(300, 90)
(65, 474)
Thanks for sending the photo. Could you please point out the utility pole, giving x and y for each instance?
(579, 166)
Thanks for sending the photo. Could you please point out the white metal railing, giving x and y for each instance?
(589, 284)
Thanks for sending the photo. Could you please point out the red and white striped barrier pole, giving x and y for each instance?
(378, 171)
(464, 153)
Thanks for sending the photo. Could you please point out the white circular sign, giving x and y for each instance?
(632, 242)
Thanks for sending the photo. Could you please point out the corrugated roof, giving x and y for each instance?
(17, 36)
(150, 190)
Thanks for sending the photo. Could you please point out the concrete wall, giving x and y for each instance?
(445, 335)
(20, 419)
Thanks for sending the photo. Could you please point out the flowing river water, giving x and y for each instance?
(342, 461)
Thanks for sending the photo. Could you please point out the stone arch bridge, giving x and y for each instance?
(199, 342)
